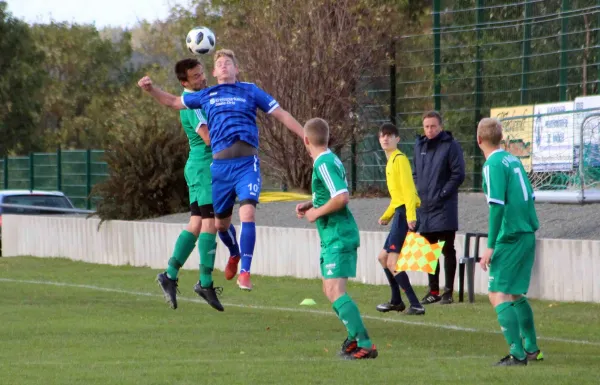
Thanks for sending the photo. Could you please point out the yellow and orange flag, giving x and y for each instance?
(418, 254)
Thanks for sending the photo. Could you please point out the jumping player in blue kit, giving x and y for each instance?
(231, 108)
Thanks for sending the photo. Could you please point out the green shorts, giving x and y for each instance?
(512, 262)
(338, 263)
(199, 181)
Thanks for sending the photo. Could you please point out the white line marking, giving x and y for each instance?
(294, 310)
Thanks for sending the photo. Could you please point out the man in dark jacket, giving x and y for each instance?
(439, 170)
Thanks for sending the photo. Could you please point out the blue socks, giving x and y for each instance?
(247, 242)
(404, 283)
(229, 239)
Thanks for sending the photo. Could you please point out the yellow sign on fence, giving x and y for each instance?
(518, 133)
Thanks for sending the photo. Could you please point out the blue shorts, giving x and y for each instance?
(398, 231)
(231, 178)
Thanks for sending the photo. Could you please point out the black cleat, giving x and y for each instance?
(388, 306)
(535, 356)
(446, 298)
(347, 348)
(510, 360)
(362, 354)
(210, 295)
(169, 288)
(413, 310)
(430, 298)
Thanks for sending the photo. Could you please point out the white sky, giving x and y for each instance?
(123, 13)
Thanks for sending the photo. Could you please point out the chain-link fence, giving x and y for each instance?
(475, 55)
(73, 172)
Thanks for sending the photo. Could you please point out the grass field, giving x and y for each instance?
(64, 322)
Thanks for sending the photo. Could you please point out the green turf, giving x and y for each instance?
(82, 335)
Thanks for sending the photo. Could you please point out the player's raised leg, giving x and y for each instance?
(184, 246)
(229, 239)
(207, 247)
(248, 188)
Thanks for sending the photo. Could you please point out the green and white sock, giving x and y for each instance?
(207, 246)
(183, 248)
(348, 313)
(509, 324)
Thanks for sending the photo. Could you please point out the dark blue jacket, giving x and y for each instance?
(438, 170)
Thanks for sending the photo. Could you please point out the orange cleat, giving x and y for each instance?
(232, 267)
(243, 281)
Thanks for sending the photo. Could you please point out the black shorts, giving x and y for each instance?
(204, 211)
(398, 231)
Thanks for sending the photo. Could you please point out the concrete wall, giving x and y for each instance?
(565, 270)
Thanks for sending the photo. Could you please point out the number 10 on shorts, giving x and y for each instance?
(253, 188)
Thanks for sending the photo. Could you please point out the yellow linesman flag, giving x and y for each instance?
(418, 254)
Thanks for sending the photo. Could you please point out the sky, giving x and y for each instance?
(102, 13)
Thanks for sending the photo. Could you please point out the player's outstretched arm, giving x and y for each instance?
(164, 98)
(289, 121)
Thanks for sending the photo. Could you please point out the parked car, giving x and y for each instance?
(54, 199)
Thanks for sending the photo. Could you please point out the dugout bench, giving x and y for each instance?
(468, 261)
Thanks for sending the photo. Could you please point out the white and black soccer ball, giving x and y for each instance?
(200, 41)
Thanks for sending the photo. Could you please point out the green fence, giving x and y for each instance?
(73, 172)
(474, 55)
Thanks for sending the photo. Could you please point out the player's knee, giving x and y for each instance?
(208, 225)
(391, 260)
(221, 225)
(194, 225)
(247, 210)
(382, 258)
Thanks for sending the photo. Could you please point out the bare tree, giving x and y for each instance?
(312, 57)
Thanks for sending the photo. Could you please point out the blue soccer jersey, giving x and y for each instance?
(231, 112)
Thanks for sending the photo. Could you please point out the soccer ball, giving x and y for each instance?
(200, 41)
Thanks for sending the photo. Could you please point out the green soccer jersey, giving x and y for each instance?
(337, 230)
(505, 183)
(191, 120)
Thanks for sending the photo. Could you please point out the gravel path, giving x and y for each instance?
(566, 221)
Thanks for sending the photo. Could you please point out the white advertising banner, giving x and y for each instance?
(553, 137)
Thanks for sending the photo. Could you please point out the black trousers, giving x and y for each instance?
(449, 259)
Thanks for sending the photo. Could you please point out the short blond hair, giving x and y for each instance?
(226, 53)
(490, 131)
(317, 131)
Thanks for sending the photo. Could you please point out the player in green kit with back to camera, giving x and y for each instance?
(339, 236)
(510, 252)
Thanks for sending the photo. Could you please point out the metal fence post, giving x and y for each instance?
(31, 172)
(564, 25)
(88, 178)
(437, 82)
(526, 53)
(393, 82)
(478, 88)
(58, 169)
(353, 167)
(5, 172)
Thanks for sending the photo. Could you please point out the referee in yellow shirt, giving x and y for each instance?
(402, 212)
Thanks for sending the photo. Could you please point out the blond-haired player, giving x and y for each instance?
(231, 107)
(510, 249)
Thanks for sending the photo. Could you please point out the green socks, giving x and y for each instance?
(207, 246)
(348, 313)
(525, 317)
(509, 324)
(183, 248)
